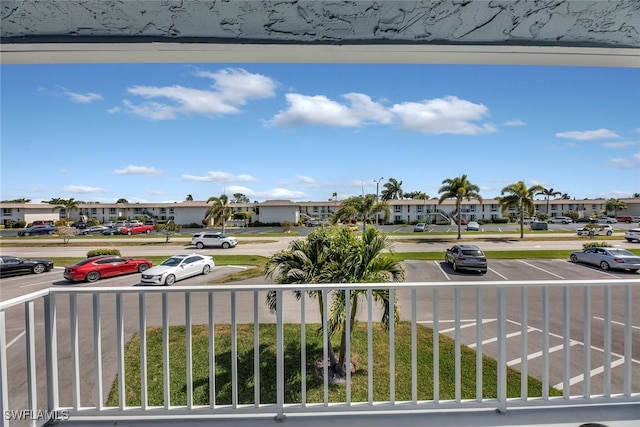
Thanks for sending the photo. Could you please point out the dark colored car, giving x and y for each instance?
(38, 230)
(466, 257)
(14, 265)
(96, 229)
(111, 231)
(98, 267)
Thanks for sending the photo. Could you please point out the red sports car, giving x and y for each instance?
(95, 268)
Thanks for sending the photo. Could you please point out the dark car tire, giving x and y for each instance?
(39, 268)
(170, 280)
(148, 231)
(143, 267)
(206, 270)
(609, 233)
(573, 258)
(604, 265)
(226, 245)
(94, 276)
(129, 233)
(455, 266)
(200, 245)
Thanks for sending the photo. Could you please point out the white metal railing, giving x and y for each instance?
(62, 349)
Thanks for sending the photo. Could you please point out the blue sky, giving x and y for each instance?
(158, 132)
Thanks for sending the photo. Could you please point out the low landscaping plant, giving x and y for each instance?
(103, 251)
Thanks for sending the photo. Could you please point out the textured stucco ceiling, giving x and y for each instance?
(290, 30)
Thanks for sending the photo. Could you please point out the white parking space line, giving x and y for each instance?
(539, 353)
(437, 263)
(617, 323)
(596, 371)
(494, 271)
(467, 325)
(13, 341)
(494, 339)
(541, 269)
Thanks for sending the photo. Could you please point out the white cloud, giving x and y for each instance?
(306, 179)
(232, 88)
(83, 189)
(632, 162)
(588, 135)
(138, 170)
(619, 144)
(514, 123)
(217, 176)
(81, 98)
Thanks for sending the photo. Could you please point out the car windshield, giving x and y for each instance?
(172, 262)
(621, 252)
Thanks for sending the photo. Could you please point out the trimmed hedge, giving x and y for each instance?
(103, 251)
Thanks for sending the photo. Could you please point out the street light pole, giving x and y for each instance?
(377, 197)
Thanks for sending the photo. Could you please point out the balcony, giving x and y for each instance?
(62, 351)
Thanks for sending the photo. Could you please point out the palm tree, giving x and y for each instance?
(363, 206)
(520, 197)
(337, 256)
(459, 188)
(392, 190)
(547, 192)
(615, 205)
(189, 198)
(219, 210)
(67, 205)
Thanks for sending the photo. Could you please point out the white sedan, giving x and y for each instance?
(608, 258)
(178, 267)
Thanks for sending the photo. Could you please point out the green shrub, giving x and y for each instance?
(19, 224)
(103, 251)
(596, 245)
(502, 220)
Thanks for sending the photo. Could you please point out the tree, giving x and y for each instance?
(547, 192)
(520, 197)
(417, 195)
(615, 205)
(168, 229)
(55, 201)
(392, 190)
(636, 194)
(219, 211)
(337, 256)
(66, 233)
(240, 198)
(459, 188)
(68, 206)
(363, 206)
(122, 200)
(189, 198)
(22, 200)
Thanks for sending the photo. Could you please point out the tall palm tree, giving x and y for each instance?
(392, 190)
(615, 205)
(219, 211)
(459, 188)
(362, 206)
(189, 198)
(547, 192)
(68, 206)
(337, 256)
(520, 197)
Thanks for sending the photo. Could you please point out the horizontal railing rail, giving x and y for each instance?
(214, 351)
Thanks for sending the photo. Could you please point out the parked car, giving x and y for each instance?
(539, 225)
(473, 226)
(350, 227)
(38, 230)
(585, 219)
(608, 258)
(560, 220)
(98, 267)
(466, 257)
(111, 231)
(632, 235)
(96, 229)
(527, 220)
(41, 222)
(136, 228)
(178, 267)
(80, 225)
(595, 230)
(605, 220)
(625, 218)
(15, 265)
(213, 239)
(420, 227)
(109, 224)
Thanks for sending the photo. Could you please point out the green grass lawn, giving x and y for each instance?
(315, 385)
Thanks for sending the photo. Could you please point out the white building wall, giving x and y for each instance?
(279, 213)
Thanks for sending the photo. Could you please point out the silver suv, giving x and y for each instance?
(213, 239)
(466, 257)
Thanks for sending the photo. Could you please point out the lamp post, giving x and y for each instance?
(377, 199)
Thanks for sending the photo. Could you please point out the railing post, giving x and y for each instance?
(4, 389)
(279, 357)
(502, 350)
(51, 349)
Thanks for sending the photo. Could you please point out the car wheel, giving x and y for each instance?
(604, 265)
(147, 231)
(129, 233)
(143, 267)
(26, 234)
(170, 280)
(206, 270)
(573, 258)
(39, 268)
(200, 245)
(455, 266)
(226, 245)
(608, 233)
(94, 276)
